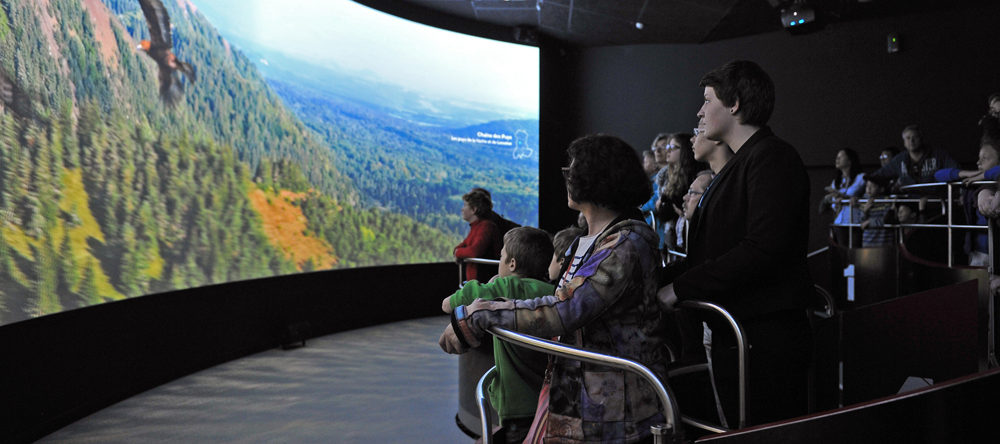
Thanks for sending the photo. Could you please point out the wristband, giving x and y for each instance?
(456, 316)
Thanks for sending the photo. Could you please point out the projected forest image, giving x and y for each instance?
(276, 155)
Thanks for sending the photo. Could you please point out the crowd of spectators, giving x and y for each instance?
(863, 205)
(732, 199)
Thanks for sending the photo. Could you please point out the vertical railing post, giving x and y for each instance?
(850, 228)
(951, 254)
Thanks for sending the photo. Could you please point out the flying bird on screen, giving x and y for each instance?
(160, 48)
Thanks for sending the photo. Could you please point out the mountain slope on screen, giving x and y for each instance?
(107, 193)
(362, 89)
(417, 170)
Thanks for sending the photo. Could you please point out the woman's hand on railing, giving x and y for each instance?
(667, 298)
(449, 342)
(972, 176)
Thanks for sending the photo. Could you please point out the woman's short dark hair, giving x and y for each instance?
(605, 171)
(746, 82)
(479, 201)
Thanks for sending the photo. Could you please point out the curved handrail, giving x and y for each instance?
(472, 260)
(670, 430)
(484, 415)
(479, 260)
(742, 348)
(827, 312)
(917, 186)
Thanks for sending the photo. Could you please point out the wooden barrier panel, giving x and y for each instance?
(960, 410)
(937, 334)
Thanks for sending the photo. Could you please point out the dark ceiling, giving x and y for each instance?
(587, 23)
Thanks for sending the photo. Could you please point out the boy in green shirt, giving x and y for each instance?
(524, 262)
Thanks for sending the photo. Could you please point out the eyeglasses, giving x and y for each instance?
(884, 157)
(698, 131)
(565, 172)
(692, 192)
(672, 147)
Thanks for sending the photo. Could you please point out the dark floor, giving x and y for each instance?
(384, 384)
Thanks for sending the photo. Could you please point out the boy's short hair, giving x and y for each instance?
(532, 249)
(746, 82)
(882, 182)
(564, 238)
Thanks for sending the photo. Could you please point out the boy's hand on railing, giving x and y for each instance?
(446, 305)
(867, 205)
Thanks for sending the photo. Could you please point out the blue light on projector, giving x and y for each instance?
(801, 21)
(791, 23)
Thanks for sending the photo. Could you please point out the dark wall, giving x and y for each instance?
(837, 87)
(559, 125)
(58, 368)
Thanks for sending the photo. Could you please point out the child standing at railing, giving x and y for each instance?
(524, 264)
(560, 250)
(873, 222)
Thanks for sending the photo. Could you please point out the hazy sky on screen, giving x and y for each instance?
(342, 33)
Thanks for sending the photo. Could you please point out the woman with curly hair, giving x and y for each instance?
(605, 301)
(680, 170)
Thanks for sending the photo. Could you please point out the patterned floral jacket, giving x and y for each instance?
(609, 306)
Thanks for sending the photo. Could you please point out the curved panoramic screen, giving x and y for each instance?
(147, 146)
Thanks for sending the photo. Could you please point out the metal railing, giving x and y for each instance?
(742, 353)
(472, 260)
(482, 402)
(818, 252)
(947, 209)
(669, 432)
